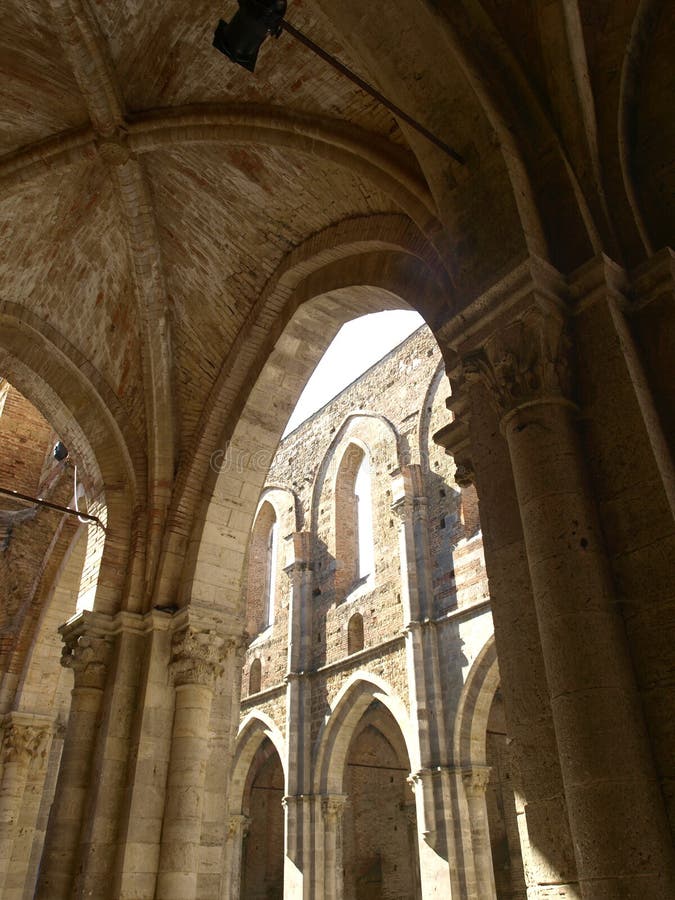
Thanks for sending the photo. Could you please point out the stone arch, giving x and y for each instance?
(253, 730)
(425, 416)
(337, 731)
(350, 432)
(334, 523)
(43, 678)
(388, 259)
(314, 313)
(61, 390)
(473, 709)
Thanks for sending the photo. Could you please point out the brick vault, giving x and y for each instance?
(454, 631)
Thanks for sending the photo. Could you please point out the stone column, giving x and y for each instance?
(237, 830)
(476, 780)
(195, 665)
(332, 808)
(433, 794)
(87, 653)
(23, 741)
(298, 854)
(615, 811)
(473, 437)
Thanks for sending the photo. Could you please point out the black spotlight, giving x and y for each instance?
(242, 38)
(60, 451)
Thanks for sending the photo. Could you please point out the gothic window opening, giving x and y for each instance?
(354, 544)
(255, 677)
(355, 634)
(262, 571)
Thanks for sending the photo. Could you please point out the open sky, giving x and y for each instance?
(357, 345)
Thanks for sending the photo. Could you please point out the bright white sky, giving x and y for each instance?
(357, 345)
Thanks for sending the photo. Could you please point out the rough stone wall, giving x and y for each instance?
(389, 414)
(33, 539)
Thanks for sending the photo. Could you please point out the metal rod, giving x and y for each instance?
(55, 506)
(397, 111)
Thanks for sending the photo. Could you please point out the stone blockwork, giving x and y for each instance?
(360, 613)
(180, 239)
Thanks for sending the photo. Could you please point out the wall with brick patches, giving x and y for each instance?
(329, 704)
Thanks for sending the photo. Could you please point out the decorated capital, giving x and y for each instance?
(476, 779)
(197, 657)
(88, 656)
(524, 363)
(23, 742)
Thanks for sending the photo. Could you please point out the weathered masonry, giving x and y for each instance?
(179, 242)
(370, 680)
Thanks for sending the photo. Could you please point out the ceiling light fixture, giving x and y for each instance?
(241, 39)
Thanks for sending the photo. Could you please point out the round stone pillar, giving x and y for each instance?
(332, 808)
(237, 829)
(196, 664)
(476, 780)
(88, 656)
(615, 809)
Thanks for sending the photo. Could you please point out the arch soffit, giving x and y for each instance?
(473, 709)
(425, 417)
(74, 393)
(255, 727)
(279, 496)
(66, 397)
(340, 726)
(33, 671)
(271, 313)
(344, 243)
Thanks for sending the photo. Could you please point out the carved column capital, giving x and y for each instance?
(238, 824)
(476, 779)
(402, 508)
(197, 657)
(88, 656)
(22, 742)
(525, 362)
(332, 807)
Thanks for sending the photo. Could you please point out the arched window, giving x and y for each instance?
(355, 634)
(364, 520)
(255, 677)
(354, 548)
(271, 574)
(262, 571)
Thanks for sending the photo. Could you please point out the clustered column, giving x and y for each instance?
(298, 803)
(238, 827)
(476, 780)
(431, 779)
(614, 809)
(197, 662)
(332, 808)
(22, 743)
(88, 655)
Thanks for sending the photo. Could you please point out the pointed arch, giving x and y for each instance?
(255, 727)
(91, 424)
(473, 709)
(338, 729)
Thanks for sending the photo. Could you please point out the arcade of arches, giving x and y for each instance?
(180, 241)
